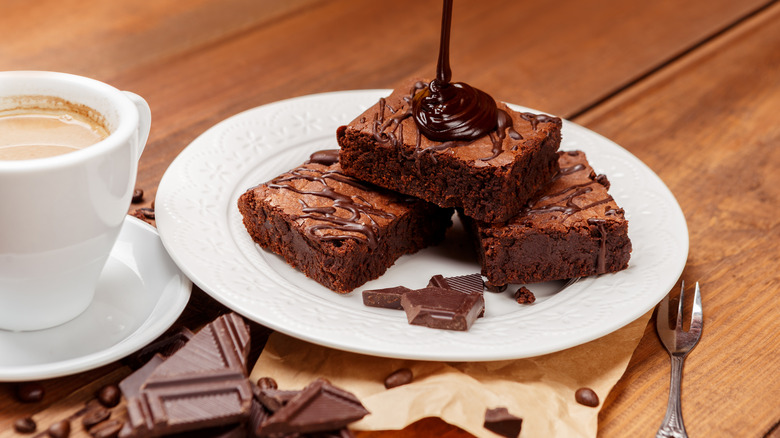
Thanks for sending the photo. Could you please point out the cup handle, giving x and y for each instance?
(144, 119)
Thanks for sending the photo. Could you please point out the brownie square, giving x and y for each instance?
(571, 228)
(488, 182)
(337, 230)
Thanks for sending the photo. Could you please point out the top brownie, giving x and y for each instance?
(490, 178)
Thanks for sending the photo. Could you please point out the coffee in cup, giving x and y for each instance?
(44, 126)
(60, 215)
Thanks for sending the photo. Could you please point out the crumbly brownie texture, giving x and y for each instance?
(490, 178)
(571, 228)
(338, 231)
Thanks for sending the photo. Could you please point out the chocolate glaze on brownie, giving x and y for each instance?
(490, 178)
(571, 228)
(337, 230)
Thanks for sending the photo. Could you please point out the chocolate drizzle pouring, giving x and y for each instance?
(452, 113)
(327, 217)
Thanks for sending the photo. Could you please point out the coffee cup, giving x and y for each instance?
(63, 196)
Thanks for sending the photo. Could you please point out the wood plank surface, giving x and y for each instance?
(708, 126)
(691, 88)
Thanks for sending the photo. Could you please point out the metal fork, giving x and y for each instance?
(678, 343)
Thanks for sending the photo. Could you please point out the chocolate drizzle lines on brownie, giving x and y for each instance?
(453, 113)
(568, 206)
(327, 214)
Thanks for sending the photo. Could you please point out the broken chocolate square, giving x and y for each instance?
(388, 298)
(319, 407)
(441, 308)
(500, 421)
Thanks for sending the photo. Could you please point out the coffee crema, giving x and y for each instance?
(34, 127)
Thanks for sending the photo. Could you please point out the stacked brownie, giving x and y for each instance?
(535, 214)
(338, 230)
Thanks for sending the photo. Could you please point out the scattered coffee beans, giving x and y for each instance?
(586, 397)
(138, 196)
(399, 377)
(29, 392)
(25, 425)
(267, 383)
(108, 429)
(109, 396)
(94, 416)
(60, 429)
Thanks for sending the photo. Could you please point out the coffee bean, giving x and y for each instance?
(109, 429)
(94, 416)
(138, 196)
(25, 425)
(399, 377)
(147, 212)
(267, 383)
(60, 429)
(586, 397)
(109, 396)
(30, 392)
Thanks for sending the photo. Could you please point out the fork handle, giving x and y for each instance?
(672, 426)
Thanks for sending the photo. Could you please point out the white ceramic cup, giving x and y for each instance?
(60, 216)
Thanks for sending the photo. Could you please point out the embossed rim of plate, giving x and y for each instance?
(201, 228)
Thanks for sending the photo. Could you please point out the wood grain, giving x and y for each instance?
(708, 125)
(691, 88)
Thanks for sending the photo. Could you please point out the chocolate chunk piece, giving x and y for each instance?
(388, 298)
(202, 385)
(500, 421)
(586, 397)
(320, 407)
(441, 308)
(471, 283)
(131, 385)
(524, 296)
(399, 377)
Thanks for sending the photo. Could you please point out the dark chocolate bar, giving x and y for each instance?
(202, 385)
(471, 283)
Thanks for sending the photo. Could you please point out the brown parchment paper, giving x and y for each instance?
(539, 389)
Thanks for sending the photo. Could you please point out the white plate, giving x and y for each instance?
(201, 228)
(140, 294)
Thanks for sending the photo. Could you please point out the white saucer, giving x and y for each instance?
(140, 294)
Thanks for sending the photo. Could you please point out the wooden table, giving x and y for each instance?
(691, 88)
